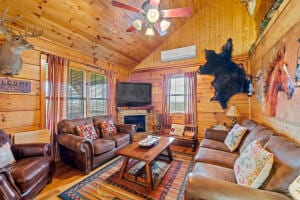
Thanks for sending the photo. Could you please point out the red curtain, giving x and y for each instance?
(111, 94)
(57, 95)
(190, 108)
(166, 100)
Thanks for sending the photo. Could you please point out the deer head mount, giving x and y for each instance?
(250, 5)
(10, 52)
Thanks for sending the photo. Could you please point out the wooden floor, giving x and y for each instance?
(66, 176)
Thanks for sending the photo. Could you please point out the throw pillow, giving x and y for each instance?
(87, 131)
(294, 188)
(253, 166)
(6, 156)
(177, 129)
(107, 127)
(234, 137)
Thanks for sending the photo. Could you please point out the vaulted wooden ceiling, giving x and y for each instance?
(95, 27)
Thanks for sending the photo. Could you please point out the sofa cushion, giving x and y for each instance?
(87, 131)
(107, 127)
(214, 171)
(119, 139)
(249, 124)
(6, 156)
(101, 146)
(235, 136)
(286, 165)
(253, 166)
(259, 133)
(215, 157)
(69, 126)
(213, 144)
(26, 172)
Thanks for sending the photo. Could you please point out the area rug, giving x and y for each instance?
(105, 183)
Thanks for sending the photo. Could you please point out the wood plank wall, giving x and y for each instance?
(281, 30)
(23, 111)
(209, 29)
(208, 113)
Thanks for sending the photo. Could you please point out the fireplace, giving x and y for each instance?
(138, 120)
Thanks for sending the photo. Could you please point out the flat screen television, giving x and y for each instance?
(130, 94)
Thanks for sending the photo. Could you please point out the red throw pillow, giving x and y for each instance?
(107, 127)
(87, 131)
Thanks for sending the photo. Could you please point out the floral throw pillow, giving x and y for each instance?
(87, 131)
(253, 166)
(234, 137)
(177, 129)
(108, 127)
(6, 156)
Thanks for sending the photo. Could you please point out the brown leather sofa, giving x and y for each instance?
(213, 176)
(33, 169)
(85, 154)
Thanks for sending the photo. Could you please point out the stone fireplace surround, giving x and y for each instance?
(131, 111)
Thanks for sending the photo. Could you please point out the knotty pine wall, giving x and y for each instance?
(282, 29)
(209, 29)
(208, 113)
(26, 111)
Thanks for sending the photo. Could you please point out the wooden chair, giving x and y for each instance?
(190, 134)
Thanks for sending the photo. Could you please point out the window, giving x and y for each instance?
(177, 94)
(97, 94)
(76, 94)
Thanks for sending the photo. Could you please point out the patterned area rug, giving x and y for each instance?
(105, 183)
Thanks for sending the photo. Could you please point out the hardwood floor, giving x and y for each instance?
(66, 176)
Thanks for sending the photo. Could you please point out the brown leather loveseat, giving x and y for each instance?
(85, 154)
(213, 176)
(26, 177)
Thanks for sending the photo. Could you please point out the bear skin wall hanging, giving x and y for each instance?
(229, 77)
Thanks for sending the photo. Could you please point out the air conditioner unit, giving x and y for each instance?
(179, 54)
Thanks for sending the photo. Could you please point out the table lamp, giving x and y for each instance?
(233, 112)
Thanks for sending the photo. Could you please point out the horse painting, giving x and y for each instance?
(230, 78)
(278, 79)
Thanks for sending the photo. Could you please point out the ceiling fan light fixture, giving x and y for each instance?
(165, 25)
(137, 24)
(150, 31)
(152, 15)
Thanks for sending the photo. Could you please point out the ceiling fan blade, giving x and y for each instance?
(130, 29)
(125, 6)
(158, 29)
(176, 12)
(154, 3)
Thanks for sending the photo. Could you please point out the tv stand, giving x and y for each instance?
(148, 108)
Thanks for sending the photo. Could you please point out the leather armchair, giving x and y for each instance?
(33, 169)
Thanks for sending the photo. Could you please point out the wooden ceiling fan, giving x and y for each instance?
(152, 16)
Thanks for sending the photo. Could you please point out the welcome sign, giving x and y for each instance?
(14, 85)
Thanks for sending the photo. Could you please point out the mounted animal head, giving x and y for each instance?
(230, 78)
(3, 29)
(10, 52)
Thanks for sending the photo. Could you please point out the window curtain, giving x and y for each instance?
(111, 94)
(57, 95)
(190, 107)
(166, 100)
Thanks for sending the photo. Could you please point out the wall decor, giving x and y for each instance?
(14, 85)
(229, 77)
(283, 95)
(11, 50)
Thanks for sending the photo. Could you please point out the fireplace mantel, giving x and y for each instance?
(148, 108)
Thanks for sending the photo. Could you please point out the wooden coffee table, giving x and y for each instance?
(148, 155)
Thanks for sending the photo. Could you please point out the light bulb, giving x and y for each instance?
(150, 31)
(164, 25)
